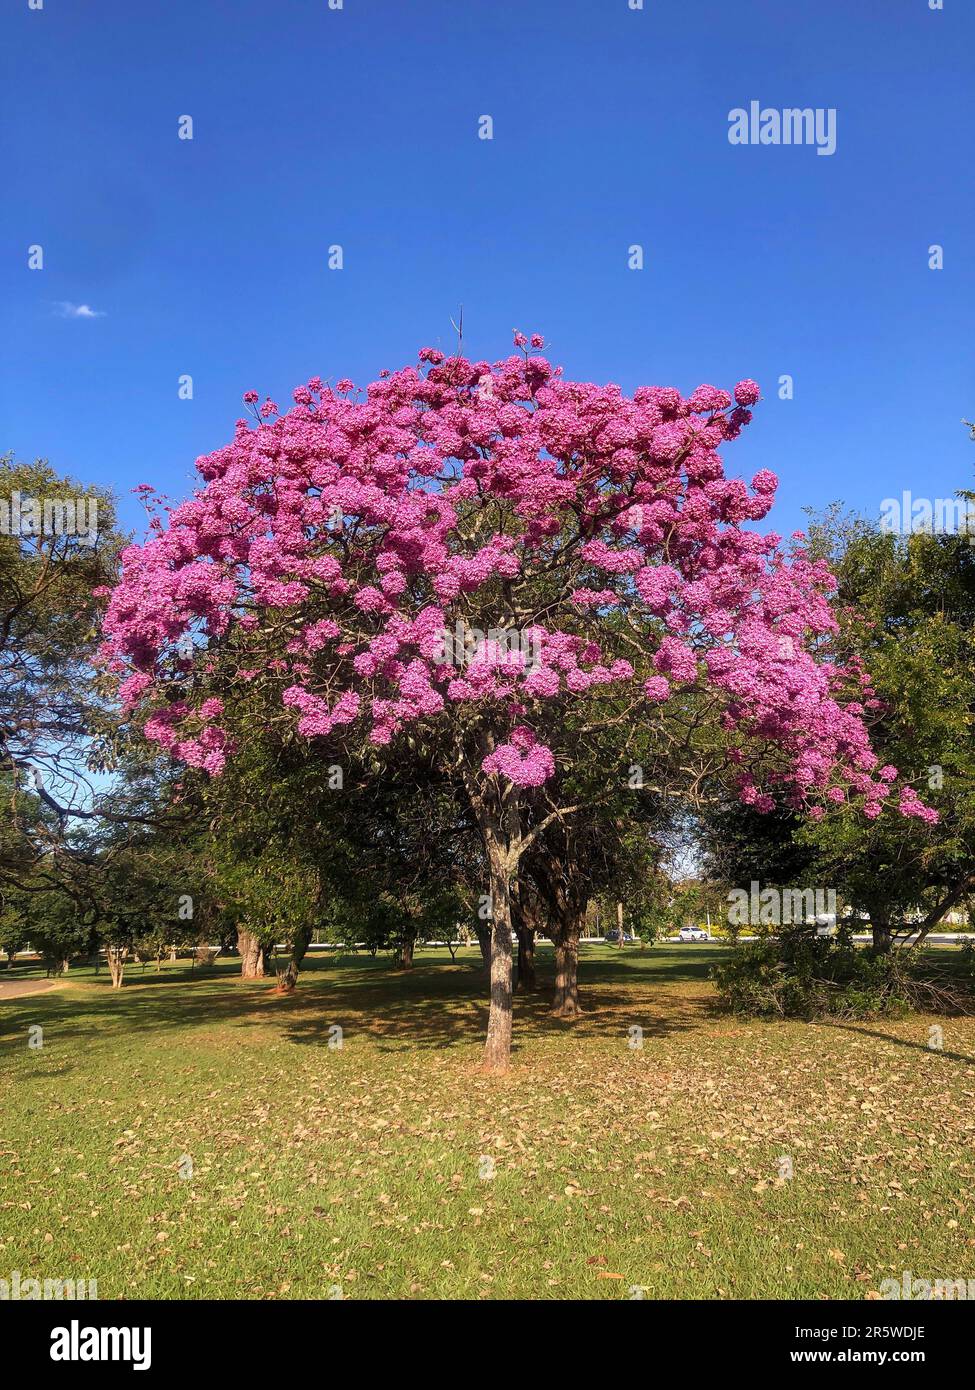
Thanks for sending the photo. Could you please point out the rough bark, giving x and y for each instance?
(407, 946)
(483, 932)
(526, 981)
(116, 964)
(525, 922)
(498, 813)
(566, 1003)
(563, 887)
(299, 945)
(497, 1045)
(252, 958)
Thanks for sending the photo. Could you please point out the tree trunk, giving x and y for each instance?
(116, 964)
(941, 910)
(619, 926)
(566, 1002)
(252, 962)
(406, 948)
(299, 945)
(497, 1046)
(526, 980)
(499, 821)
(563, 888)
(883, 938)
(484, 941)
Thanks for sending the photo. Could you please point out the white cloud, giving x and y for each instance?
(67, 310)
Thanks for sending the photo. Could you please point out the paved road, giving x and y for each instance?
(957, 938)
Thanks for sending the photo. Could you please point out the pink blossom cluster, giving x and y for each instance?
(328, 549)
(523, 760)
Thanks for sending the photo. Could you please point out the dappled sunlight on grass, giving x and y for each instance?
(614, 1165)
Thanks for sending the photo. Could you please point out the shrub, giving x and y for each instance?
(798, 974)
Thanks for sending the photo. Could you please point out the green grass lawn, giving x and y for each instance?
(360, 1168)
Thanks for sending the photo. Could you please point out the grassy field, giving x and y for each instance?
(366, 1171)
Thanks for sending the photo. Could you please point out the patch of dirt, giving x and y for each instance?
(17, 989)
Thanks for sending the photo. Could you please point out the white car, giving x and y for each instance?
(693, 934)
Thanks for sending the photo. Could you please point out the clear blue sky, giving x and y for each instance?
(359, 127)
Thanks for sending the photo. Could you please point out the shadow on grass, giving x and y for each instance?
(903, 1042)
(652, 965)
(438, 1004)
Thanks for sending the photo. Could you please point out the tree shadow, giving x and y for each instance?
(903, 1042)
(652, 965)
(436, 1005)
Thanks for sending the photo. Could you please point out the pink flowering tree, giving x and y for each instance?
(472, 559)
